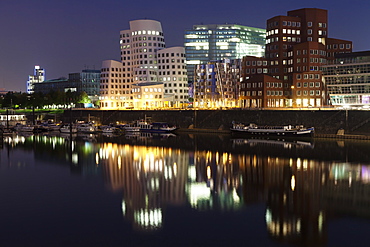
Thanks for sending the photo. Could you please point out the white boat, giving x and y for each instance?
(156, 127)
(52, 127)
(130, 128)
(286, 130)
(86, 128)
(67, 129)
(108, 129)
(24, 128)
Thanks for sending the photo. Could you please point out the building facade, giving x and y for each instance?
(148, 95)
(172, 73)
(216, 84)
(86, 81)
(214, 42)
(113, 92)
(297, 46)
(144, 59)
(347, 80)
(37, 77)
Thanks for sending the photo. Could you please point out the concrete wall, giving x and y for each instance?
(324, 121)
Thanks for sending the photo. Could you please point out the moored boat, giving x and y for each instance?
(68, 129)
(156, 127)
(109, 129)
(130, 127)
(286, 130)
(24, 128)
(86, 128)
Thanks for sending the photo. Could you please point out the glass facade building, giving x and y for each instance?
(347, 80)
(214, 42)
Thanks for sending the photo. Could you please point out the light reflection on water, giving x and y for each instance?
(301, 193)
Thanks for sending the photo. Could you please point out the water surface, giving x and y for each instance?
(184, 190)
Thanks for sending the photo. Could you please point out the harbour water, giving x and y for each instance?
(183, 190)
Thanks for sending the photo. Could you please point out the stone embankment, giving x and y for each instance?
(328, 123)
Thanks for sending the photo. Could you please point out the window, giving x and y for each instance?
(309, 24)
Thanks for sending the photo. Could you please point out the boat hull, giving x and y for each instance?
(309, 132)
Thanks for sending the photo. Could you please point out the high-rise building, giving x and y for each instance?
(144, 59)
(214, 42)
(37, 77)
(297, 46)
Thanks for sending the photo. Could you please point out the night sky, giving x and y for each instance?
(70, 35)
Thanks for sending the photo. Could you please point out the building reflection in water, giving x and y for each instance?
(301, 193)
(150, 177)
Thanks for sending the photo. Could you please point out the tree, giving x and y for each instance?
(83, 98)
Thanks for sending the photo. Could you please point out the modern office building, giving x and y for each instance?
(86, 81)
(59, 84)
(37, 77)
(347, 80)
(297, 46)
(144, 59)
(216, 84)
(214, 42)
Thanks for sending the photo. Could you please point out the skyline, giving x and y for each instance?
(69, 36)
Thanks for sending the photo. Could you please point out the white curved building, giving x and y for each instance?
(141, 48)
(173, 74)
(113, 92)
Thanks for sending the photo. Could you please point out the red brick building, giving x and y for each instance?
(296, 47)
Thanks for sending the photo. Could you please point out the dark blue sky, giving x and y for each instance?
(70, 35)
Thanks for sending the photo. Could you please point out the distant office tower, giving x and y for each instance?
(144, 59)
(297, 47)
(206, 43)
(37, 77)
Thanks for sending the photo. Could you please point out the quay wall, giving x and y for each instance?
(324, 121)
